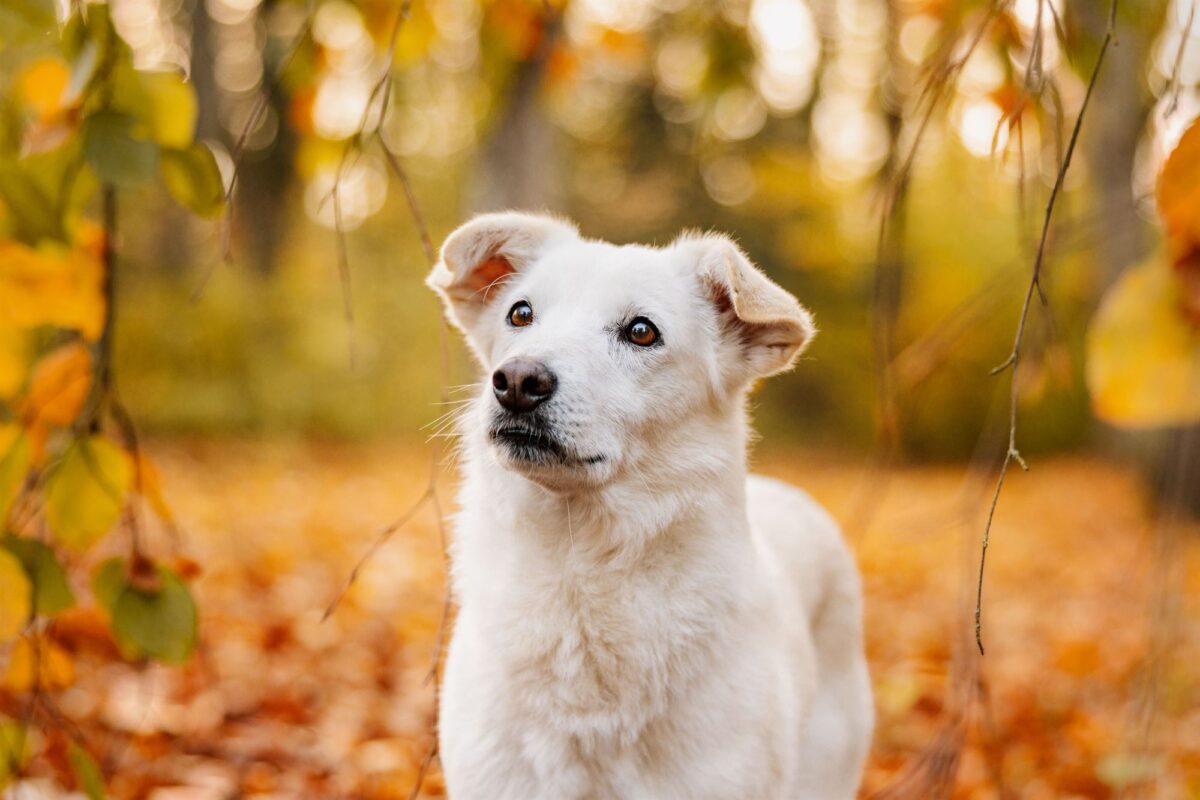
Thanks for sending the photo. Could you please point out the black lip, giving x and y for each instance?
(522, 438)
(536, 446)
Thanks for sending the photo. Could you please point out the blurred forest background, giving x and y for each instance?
(221, 372)
(777, 121)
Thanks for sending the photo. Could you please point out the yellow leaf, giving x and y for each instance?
(1143, 366)
(86, 491)
(58, 387)
(14, 463)
(1179, 191)
(53, 285)
(172, 112)
(16, 596)
(38, 662)
(13, 358)
(43, 85)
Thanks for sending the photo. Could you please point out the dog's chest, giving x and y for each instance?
(601, 654)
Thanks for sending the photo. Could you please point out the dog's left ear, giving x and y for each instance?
(766, 323)
(484, 253)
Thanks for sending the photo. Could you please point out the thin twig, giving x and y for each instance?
(425, 764)
(89, 419)
(380, 539)
(1012, 362)
(343, 264)
(354, 146)
(413, 207)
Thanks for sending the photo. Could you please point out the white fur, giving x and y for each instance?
(640, 619)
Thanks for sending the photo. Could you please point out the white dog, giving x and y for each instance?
(638, 618)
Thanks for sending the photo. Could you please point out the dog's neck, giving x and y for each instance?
(666, 482)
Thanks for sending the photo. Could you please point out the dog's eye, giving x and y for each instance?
(520, 315)
(641, 332)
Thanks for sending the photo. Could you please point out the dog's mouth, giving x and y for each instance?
(536, 446)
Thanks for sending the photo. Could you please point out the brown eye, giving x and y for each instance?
(520, 315)
(642, 332)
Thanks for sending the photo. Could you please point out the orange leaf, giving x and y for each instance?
(35, 661)
(43, 86)
(58, 388)
(1179, 192)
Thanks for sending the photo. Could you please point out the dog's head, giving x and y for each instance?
(591, 350)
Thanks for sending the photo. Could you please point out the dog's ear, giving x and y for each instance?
(766, 324)
(484, 253)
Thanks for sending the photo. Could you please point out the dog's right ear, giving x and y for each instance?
(484, 253)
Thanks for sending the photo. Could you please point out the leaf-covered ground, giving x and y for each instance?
(1091, 622)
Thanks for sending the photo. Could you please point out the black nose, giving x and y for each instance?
(521, 385)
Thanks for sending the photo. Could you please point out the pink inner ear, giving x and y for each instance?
(489, 273)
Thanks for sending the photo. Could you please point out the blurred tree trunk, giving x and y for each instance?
(1111, 133)
(265, 172)
(175, 242)
(264, 185)
(521, 159)
(208, 125)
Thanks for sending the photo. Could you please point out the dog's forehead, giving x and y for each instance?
(600, 271)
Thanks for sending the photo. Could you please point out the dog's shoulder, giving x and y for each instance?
(789, 516)
(795, 532)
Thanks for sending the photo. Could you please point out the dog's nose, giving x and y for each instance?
(521, 385)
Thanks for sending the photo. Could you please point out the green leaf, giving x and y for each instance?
(117, 150)
(192, 178)
(87, 772)
(109, 580)
(14, 750)
(14, 463)
(16, 596)
(31, 210)
(160, 623)
(45, 192)
(86, 491)
(51, 590)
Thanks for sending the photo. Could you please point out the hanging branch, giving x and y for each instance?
(381, 92)
(941, 70)
(1012, 454)
(354, 146)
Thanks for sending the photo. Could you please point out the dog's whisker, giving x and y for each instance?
(453, 415)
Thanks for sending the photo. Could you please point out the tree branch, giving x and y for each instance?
(1013, 361)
